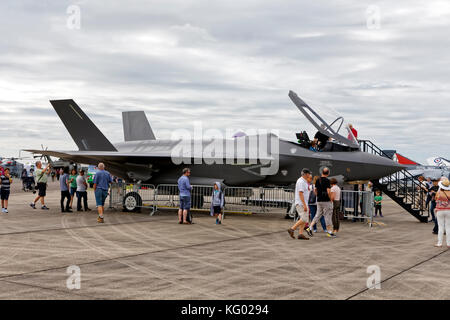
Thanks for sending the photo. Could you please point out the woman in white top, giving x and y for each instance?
(443, 211)
(336, 199)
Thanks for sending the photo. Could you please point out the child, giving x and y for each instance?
(378, 198)
(6, 187)
(217, 203)
(73, 185)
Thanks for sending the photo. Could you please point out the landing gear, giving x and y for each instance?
(132, 202)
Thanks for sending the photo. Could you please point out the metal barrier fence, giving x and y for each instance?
(237, 199)
(133, 196)
(358, 205)
(354, 204)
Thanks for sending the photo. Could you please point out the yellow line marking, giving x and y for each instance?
(76, 112)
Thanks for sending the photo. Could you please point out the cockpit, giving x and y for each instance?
(334, 136)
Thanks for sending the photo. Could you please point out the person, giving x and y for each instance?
(58, 174)
(102, 180)
(64, 186)
(324, 204)
(433, 190)
(428, 200)
(73, 185)
(442, 199)
(313, 146)
(184, 187)
(82, 191)
(312, 204)
(302, 192)
(217, 202)
(24, 178)
(336, 199)
(354, 133)
(6, 181)
(378, 199)
(53, 175)
(320, 139)
(41, 179)
(423, 188)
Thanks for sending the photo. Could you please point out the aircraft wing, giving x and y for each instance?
(93, 157)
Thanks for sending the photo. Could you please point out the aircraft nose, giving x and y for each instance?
(380, 167)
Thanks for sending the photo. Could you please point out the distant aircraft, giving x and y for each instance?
(437, 166)
(439, 162)
(15, 167)
(143, 158)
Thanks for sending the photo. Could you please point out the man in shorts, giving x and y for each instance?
(41, 180)
(324, 204)
(102, 180)
(184, 186)
(302, 192)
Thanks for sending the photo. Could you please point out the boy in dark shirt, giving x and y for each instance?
(6, 187)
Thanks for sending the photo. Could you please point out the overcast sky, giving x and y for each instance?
(383, 65)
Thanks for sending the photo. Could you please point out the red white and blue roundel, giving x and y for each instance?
(437, 160)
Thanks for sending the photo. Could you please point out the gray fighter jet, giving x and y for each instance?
(254, 160)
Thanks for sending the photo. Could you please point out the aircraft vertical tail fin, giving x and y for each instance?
(83, 131)
(136, 126)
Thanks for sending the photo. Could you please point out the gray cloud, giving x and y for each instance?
(228, 64)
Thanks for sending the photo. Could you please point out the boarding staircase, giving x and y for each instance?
(402, 187)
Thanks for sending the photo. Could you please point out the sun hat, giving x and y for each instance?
(444, 184)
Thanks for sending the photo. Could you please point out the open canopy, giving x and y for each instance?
(336, 128)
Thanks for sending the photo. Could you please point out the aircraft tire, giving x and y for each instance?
(132, 202)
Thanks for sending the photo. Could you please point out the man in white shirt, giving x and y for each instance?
(302, 191)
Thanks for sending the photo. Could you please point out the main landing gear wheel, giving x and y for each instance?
(132, 202)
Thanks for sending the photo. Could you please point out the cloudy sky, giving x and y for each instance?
(383, 65)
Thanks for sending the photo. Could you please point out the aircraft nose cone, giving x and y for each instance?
(376, 167)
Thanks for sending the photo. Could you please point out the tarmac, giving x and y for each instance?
(138, 256)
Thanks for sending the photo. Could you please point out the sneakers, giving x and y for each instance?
(309, 232)
(45, 208)
(33, 205)
(5, 211)
(331, 235)
(302, 237)
(100, 220)
(291, 233)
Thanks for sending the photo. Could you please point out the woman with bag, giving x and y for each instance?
(442, 198)
(336, 199)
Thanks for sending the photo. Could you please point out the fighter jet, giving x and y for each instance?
(245, 160)
(436, 168)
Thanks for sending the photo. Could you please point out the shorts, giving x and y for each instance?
(73, 191)
(100, 197)
(304, 215)
(4, 194)
(42, 188)
(217, 209)
(185, 202)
